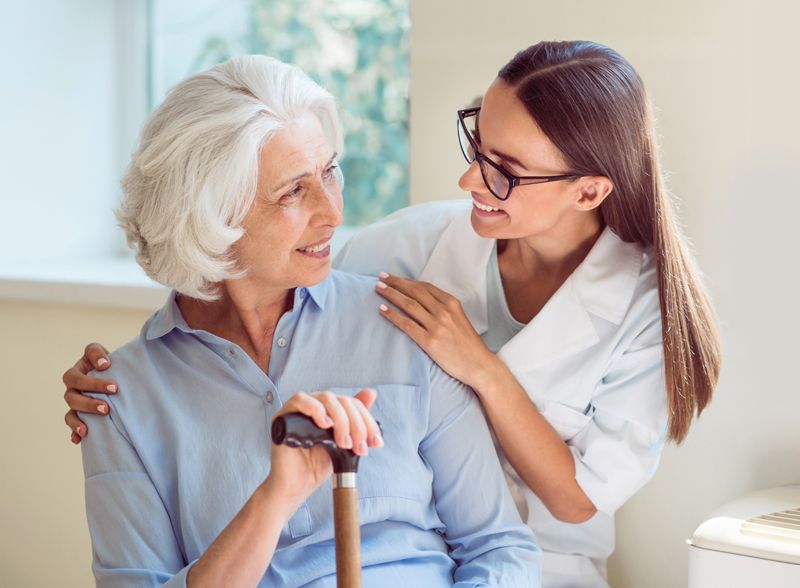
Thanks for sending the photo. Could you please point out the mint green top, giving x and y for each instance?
(502, 326)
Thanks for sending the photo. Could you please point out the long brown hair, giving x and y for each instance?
(592, 105)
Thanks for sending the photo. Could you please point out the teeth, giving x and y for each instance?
(316, 248)
(486, 208)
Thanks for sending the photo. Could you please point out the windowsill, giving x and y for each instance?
(116, 282)
(112, 281)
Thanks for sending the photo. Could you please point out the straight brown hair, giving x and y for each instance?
(592, 105)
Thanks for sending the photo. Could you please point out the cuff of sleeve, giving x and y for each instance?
(594, 484)
(179, 579)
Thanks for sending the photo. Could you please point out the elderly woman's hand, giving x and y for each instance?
(95, 357)
(301, 471)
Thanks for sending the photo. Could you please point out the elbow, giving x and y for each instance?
(574, 513)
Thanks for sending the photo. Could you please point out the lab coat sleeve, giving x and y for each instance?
(618, 451)
(133, 540)
(486, 537)
(401, 244)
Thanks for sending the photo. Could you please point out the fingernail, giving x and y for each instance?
(362, 448)
(383, 275)
(102, 361)
(328, 421)
(111, 388)
(348, 441)
(377, 441)
(384, 308)
(101, 408)
(381, 285)
(78, 430)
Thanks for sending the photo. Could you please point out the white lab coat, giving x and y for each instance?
(591, 362)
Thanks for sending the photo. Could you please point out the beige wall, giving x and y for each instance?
(44, 539)
(723, 76)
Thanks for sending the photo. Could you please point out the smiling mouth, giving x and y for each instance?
(485, 207)
(316, 248)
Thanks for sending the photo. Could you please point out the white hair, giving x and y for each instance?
(194, 174)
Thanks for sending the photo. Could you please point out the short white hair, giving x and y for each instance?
(194, 174)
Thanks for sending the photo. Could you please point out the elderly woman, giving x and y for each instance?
(232, 199)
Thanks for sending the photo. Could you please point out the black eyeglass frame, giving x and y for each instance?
(513, 181)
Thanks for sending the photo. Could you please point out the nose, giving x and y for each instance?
(329, 206)
(472, 180)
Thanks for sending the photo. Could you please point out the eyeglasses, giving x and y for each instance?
(499, 181)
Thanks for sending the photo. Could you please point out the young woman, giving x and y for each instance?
(564, 294)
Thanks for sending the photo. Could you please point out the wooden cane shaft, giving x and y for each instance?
(348, 537)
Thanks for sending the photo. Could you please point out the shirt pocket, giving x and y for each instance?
(396, 469)
(567, 421)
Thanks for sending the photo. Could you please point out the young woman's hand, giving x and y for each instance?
(438, 324)
(298, 472)
(95, 357)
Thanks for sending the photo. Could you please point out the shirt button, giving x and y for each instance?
(302, 293)
(270, 397)
(281, 342)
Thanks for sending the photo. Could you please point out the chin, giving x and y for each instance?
(312, 278)
(484, 229)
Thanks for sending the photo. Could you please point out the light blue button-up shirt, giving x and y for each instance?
(188, 442)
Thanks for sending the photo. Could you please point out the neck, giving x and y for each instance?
(554, 253)
(244, 314)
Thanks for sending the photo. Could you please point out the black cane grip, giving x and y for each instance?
(298, 430)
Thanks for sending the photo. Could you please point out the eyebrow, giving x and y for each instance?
(509, 158)
(304, 175)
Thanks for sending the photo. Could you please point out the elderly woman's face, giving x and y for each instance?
(298, 205)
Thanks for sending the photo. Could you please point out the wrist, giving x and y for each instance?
(279, 496)
(490, 377)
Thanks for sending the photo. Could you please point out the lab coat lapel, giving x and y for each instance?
(602, 285)
(562, 328)
(458, 266)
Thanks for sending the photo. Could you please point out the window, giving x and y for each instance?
(86, 78)
(357, 49)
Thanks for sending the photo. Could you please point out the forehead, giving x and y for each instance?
(300, 147)
(506, 126)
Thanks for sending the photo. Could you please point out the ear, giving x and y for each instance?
(592, 190)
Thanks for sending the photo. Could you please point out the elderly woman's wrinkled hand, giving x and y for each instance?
(301, 471)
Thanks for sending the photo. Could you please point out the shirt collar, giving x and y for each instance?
(169, 317)
(607, 277)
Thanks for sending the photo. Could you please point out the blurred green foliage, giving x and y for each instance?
(358, 50)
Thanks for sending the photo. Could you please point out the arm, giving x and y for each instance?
(601, 466)
(487, 540)
(132, 534)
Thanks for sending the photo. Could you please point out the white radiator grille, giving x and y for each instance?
(783, 526)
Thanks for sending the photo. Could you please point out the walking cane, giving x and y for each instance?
(298, 430)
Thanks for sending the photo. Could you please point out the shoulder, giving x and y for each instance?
(402, 242)
(352, 317)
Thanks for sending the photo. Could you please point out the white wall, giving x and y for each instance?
(724, 77)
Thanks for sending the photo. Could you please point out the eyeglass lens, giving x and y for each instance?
(494, 180)
(466, 147)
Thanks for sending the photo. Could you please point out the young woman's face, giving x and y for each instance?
(508, 136)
